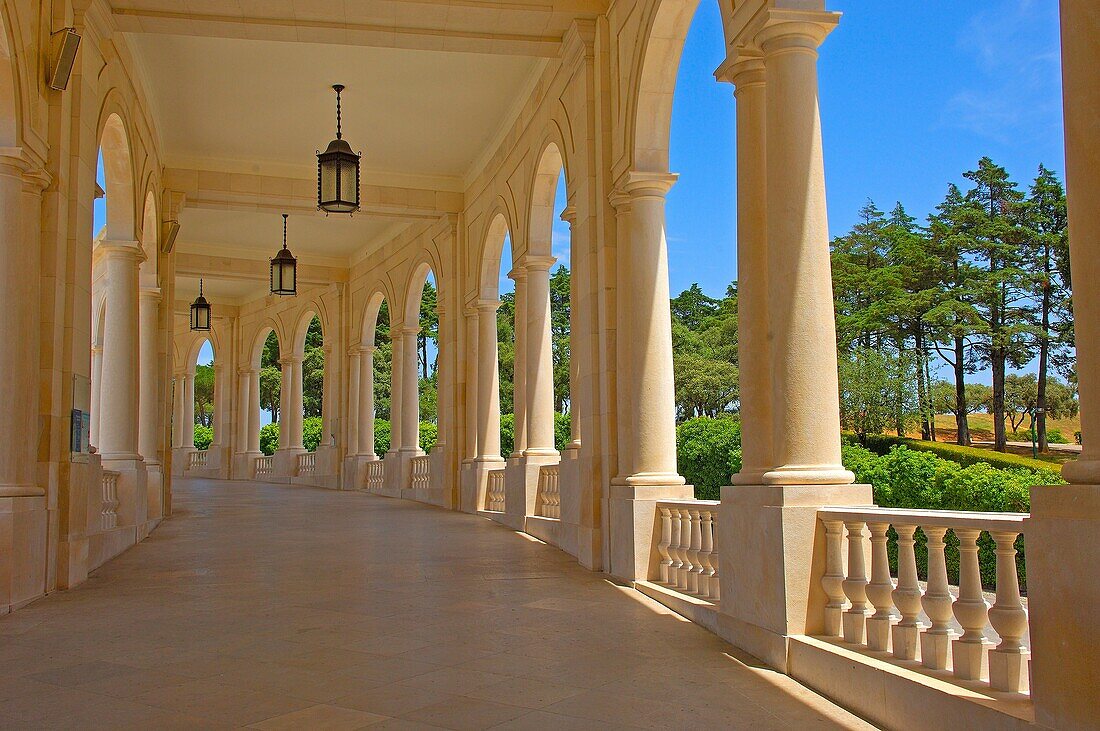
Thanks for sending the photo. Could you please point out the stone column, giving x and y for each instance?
(97, 389)
(366, 402)
(244, 400)
(119, 397)
(747, 75)
(189, 411)
(221, 404)
(148, 417)
(397, 377)
(409, 394)
(488, 384)
(179, 393)
(285, 401)
(296, 405)
(539, 366)
(473, 361)
(519, 361)
(253, 437)
(650, 423)
(353, 401)
(805, 397)
(327, 390)
(569, 215)
(20, 214)
(1063, 591)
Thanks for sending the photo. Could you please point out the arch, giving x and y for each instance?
(10, 121)
(147, 270)
(369, 327)
(305, 318)
(195, 348)
(414, 289)
(99, 320)
(118, 172)
(492, 249)
(543, 192)
(258, 341)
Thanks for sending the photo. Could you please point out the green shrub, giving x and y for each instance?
(204, 435)
(1055, 436)
(563, 430)
(269, 438)
(311, 433)
(429, 434)
(381, 436)
(881, 444)
(507, 434)
(708, 451)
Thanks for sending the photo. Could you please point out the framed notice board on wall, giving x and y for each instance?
(80, 420)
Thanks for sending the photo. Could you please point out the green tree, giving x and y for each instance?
(429, 329)
(560, 312)
(1048, 263)
(383, 364)
(313, 370)
(204, 395)
(271, 379)
(704, 386)
(871, 387)
(993, 227)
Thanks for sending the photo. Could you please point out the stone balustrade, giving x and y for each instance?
(307, 463)
(494, 494)
(420, 468)
(872, 612)
(688, 547)
(376, 475)
(197, 459)
(108, 514)
(548, 500)
(265, 466)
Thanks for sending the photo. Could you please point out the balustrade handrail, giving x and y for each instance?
(688, 547)
(690, 503)
(946, 518)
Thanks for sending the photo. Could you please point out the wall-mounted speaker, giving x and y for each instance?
(65, 45)
(171, 229)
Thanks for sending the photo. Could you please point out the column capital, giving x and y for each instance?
(246, 371)
(743, 69)
(794, 30)
(569, 214)
(482, 306)
(15, 162)
(121, 249)
(519, 271)
(405, 330)
(539, 263)
(636, 184)
(290, 360)
(97, 349)
(150, 293)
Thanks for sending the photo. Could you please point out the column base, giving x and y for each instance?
(521, 483)
(244, 465)
(154, 491)
(179, 460)
(133, 492)
(475, 482)
(1063, 593)
(772, 537)
(23, 521)
(632, 512)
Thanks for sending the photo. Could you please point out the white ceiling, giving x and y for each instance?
(326, 241)
(220, 291)
(267, 106)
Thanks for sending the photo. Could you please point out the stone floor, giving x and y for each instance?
(279, 607)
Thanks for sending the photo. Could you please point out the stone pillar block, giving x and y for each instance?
(634, 529)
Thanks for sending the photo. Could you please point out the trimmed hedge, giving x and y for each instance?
(204, 435)
(881, 444)
(708, 451)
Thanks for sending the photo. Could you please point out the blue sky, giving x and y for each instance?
(912, 94)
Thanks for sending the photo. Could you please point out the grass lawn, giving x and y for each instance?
(981, 430)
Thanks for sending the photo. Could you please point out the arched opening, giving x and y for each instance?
(374, 422)
(423, 309)
(550, 240)
(265, 362)
(500, 414)
(310, 345)
(203, 404)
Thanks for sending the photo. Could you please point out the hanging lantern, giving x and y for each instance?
(338, 172)
(200, 312)
(284, 269)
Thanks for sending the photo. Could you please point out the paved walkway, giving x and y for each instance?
(289, 607)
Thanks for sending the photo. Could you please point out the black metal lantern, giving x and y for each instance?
(200, 312)
(338, 172)
(284, 269)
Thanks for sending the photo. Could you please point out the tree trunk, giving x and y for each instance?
(997, 406)
(1044, 354)
(922, 385)
(960, 394)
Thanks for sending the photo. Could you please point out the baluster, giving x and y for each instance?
(674, 549)
(880, 591)
(833, 580)
(935, 642)
(971, 610)
(693, 551)
(706, 553)
(1008, 662)
(906, 596)
(855, 585)
(716, 578)
(662, 547)
(682, 547)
